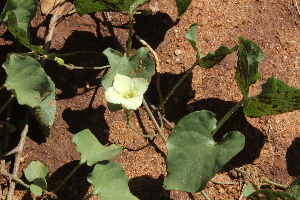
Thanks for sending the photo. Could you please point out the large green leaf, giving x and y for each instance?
(91, 150)
(45, 114)
(249, 57)
(17, 14)
(110, 182)
(27, 80)
(89, 6)
(276, 98)
(294, 188)
(139, 65)
(182, 6)
(193, 156)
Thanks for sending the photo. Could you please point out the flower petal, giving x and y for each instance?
(132, 103)
(112, 96)
(122, 84)
(139, 86)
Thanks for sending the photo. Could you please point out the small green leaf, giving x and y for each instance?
(17, 14)
(110, 182)
(182, 6)
(271, 195)
(36, 170)
(38, 186)
(191, 36)
(193, 156)
(276, 98)
(91, 150)
(214, 58)
(45, 114)
(139, 65)
(27, 80)
(89, 6)
(248, 190)
(294, 188)
(249, 57)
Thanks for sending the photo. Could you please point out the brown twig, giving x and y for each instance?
(158, 70)
(18, 157)
(296, 6)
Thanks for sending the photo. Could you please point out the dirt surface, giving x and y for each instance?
(272, 142)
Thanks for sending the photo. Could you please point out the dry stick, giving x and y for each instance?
(18, 157)
(15, 178)
(154, 121)
(158, 70)
(296, 6)
(49, 36)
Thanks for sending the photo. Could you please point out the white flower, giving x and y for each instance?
(127, 91)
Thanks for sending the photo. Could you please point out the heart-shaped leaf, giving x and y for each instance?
(182, 6)
(38, 186)
(249, 57)
(276, 98)
(35, 170)
(294, 188)
(193, 156)
(27, 80)
(139, 65)
(17, 14)
(89, 6)
(110, 182)
(91, 150)
(45, 114)
(191, 36)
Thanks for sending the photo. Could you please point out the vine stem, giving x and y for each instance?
(18, 157)
(2, 87)
(70, 67)
(11, 176)
(6, 103)
(88, 196)
(177, 85)
(129, 42)
(266, 180)
(128, 113)
(67, 177)
(228, 114)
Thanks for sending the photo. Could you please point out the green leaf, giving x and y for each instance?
(249, 57)
(38, 186)
(17, 14)
(193, 156)
(45, 114)
(276, 98)
(294, 188)
(271, 195)
(248, 190)
(139, 65)
(91, 150)
(191, 36)
(182, 6)
(214, 58)
(110, 182)
(89, 6)
(36, 170)
(27, 80)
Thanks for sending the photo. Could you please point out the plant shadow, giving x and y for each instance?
(89, 118)
(254, 139)
(293, 158)
(152, 28)
(148, 188)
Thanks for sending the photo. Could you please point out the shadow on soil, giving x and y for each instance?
(89, 118)
(254, 139)
(293, 158)
(148, 188)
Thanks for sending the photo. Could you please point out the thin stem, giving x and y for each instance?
(2, 87)
(67, 178)
(18, 157)
(11, 176)
(228, 114)
(75, 67)
(266, 180)
(128, 113)
(177, 85)
(6, 103)
(222, 183)
(154, 121)
(129, 42)
(205, 195)
(88, 196)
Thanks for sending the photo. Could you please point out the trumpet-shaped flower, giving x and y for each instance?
(127, 91)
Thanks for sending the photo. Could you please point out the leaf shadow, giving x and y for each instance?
(293, 158)
(254, 139)
(148, 188)
(88, 118)
(152, 28)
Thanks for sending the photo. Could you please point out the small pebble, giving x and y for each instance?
(177, 52)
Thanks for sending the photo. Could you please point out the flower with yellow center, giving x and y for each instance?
(127, 91)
